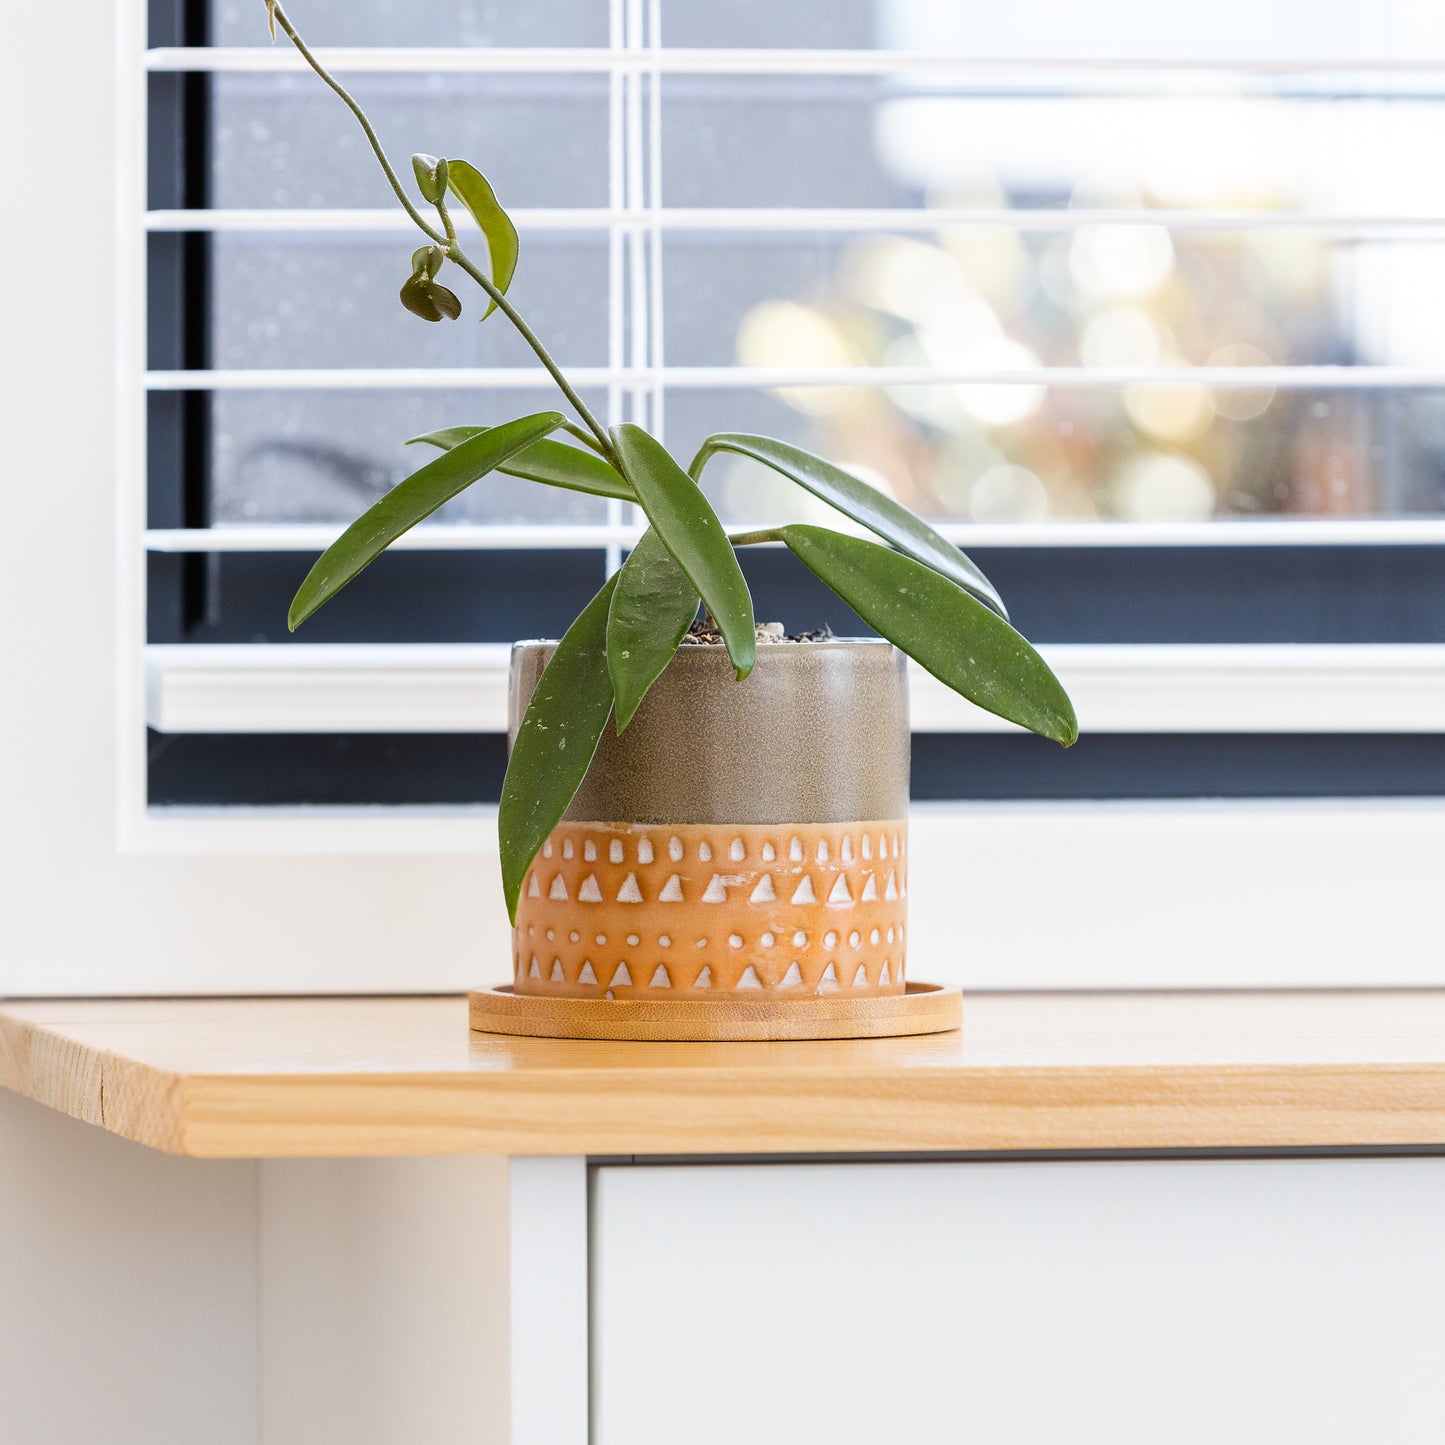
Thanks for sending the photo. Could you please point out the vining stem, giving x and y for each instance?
(447, 241)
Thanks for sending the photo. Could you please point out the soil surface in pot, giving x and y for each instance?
(706, 632)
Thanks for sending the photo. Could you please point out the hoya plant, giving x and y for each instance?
(912, 585)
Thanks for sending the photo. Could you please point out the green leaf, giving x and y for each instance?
(426, 262)
(856, 499)
(553, 463)
(652, 608)
(444, 300)
(430, 300)
(556, 742)
(431, 177)
(692, 533)
(445, 438)
(417, 298)
(474, 191)
(960, 641)
(422, 294)
(407, 503)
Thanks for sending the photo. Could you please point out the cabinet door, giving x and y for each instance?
(1178, 1301)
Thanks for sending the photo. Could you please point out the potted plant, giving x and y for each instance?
(739, 832)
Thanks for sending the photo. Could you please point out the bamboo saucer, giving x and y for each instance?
(924, 1008)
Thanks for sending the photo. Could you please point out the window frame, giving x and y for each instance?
(205, 902)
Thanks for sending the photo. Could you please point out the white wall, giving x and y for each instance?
(149, 1300)
(128, 1289)
(1313, 894)
(76, 916)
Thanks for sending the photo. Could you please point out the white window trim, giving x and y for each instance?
(1136, 688)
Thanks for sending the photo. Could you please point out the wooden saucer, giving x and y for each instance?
(924, 1008)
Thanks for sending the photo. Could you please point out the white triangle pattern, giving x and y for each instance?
(886, 885)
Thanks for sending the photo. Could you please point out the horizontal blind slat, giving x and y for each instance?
(458, 537)
(764, 219)
(1235, 378)
(564, 59)
(462, 537)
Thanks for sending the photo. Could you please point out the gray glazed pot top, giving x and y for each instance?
(816, 733)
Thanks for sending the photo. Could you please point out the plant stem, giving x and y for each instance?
(281, 19)
(747, 539)
(449, 240)
(460, 257)
(451, 230)
(583, 435)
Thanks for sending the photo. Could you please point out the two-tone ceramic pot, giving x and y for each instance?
(744, 840)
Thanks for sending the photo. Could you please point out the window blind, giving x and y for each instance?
(1218, 346)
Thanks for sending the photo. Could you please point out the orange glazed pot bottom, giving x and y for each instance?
(695, 911)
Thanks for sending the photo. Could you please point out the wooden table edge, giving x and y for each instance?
(708, 1111)
(126, 1097)
(700, 1107)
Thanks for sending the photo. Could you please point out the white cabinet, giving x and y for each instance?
(546, 1242)
(1163, 1302)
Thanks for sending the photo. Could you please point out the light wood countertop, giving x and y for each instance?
(350, 1076)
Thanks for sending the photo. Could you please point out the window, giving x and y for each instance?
(1144, 330)
(1140, 308)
